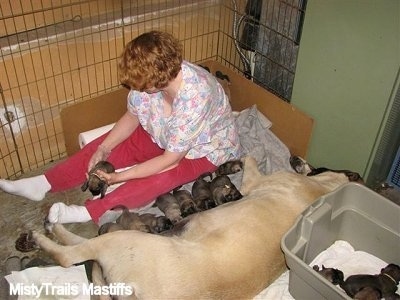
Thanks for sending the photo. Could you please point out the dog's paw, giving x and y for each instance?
(48, 226)
(25, 242)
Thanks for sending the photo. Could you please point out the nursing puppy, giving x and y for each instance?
(230, 167)
(169, 205)
(186, 203)
(131, 221)
(201, 193)
(157, 224)
(223, 190)
(109, 227)
(94, 183)
(229, 252)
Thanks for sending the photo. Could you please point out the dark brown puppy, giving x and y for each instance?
(156, 224)
(333, 275)
(369, 293)
(186, 203)
(223, 190)
(169, 205)
(230, 167)
(201, 193)
(94, 183)
(386, 282)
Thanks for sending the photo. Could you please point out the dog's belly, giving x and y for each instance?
(230, 251)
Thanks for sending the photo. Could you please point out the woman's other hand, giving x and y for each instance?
(100, 154)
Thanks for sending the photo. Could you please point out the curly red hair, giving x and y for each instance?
(150, 60)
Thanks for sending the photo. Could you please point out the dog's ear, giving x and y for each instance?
(103, 190)
(85, 186)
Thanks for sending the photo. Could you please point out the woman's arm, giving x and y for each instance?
(158, 164)
(121, 130)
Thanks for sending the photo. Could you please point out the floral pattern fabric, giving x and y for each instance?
(201, 121)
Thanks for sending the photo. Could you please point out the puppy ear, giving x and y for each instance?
(103, 190)
(85, 186)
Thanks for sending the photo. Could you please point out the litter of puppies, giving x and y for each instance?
(365, 286)
(180, 203)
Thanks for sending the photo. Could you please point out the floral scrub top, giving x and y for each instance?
(201, 120)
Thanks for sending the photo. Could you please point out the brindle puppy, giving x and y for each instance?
(386, 282)
(131, 221)
(201, 193)
(94, 183)
(223, 190)
(186, 203)
(230, 167)
(156, 224)
(333, 275)
(109, 227)
(169, 205)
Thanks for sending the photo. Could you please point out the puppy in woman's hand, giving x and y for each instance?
(95, 184)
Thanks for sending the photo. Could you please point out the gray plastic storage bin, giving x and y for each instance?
(354, 213)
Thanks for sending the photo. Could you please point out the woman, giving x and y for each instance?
(178, 125)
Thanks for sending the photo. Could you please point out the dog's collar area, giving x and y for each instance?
(94, 174)
(98, 176)
(390, 277)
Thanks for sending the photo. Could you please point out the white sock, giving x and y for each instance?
(62, 213)
(32, 188)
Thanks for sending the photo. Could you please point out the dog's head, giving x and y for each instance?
(300, 165)
(230, 167)
(163, 224)
(186, 203)
(223, 190)
(333, 275)
(393, 271)
(96, 185)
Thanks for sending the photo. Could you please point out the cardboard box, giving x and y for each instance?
(292, 126)
(354, 213)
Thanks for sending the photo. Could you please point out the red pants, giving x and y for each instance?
(136, 192)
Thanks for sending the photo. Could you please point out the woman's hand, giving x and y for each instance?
(110, 178)
(100, 154)
(121, 130)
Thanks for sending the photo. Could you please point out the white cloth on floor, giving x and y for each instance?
(56, 282)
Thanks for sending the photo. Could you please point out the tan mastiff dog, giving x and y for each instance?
(229, 252)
